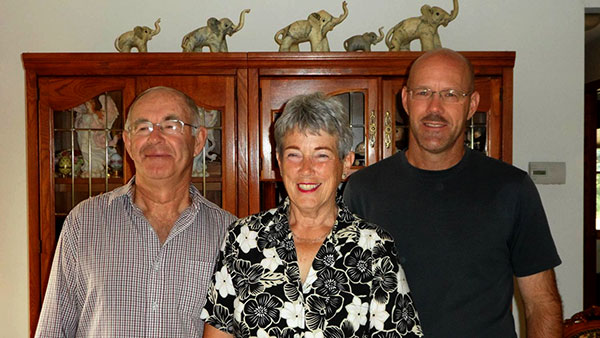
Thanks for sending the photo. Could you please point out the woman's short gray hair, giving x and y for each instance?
(314, 113)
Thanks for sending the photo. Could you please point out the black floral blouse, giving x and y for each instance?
(355, 287)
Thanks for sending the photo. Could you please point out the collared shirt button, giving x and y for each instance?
(154, 305)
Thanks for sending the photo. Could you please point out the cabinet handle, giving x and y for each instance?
(388, 130)
(372, 128)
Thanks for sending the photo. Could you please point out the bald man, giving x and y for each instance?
(464, 224)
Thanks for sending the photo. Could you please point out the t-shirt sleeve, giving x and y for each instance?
(352, 196)
(532, 247)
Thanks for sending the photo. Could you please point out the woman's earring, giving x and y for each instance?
(344, 176)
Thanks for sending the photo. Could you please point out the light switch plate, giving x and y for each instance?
(548, 172)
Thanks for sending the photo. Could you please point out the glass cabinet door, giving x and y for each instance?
(84, 157)
(358, 96)
(88, 150)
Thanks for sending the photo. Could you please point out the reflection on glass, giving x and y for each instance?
(86, 139)
(207, 168)
(476, 132)
(212, 147)
(93, 121)
(212, 190)
(354, 104)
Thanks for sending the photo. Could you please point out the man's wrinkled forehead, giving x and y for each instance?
(177, 108)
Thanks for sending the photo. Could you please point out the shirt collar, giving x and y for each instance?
(127, 192)
(343, 219)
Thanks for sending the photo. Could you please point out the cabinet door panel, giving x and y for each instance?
(484, 130)
(214, 172)
(358, 95)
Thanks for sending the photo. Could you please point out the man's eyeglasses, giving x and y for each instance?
(446, 95)
(169, 127)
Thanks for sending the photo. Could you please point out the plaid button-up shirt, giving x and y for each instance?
(111, 277)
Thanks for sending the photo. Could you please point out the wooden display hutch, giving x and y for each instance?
(73, 137)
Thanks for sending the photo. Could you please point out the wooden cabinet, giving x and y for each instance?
(77, 105)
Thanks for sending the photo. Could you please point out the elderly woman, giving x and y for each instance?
(309, 268)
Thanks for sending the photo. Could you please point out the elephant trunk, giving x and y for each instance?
(454, 12)
(337, 21)
(380, 35)
(156, 28)
(241, 23)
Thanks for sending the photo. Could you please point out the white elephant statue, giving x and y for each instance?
(92, 121)
(314, 30)
(424, 28)
(212, 35)
(137, 38)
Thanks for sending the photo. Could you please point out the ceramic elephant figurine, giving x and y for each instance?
(424, 28)
(137, 38)
(314, 30)
(212, 35)
(363, 42)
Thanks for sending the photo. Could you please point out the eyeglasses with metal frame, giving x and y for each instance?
(168, 127)
(446, 95)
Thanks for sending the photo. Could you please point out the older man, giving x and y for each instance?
(464, 223)
(137, 261)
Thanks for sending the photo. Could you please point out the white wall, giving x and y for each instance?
(548, 86)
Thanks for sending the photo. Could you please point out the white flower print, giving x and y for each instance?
(314, 334)
(238, 307)
(310, 279)
(261, 333)
(378, 314)
(368, 239)
(204, 314)
(293, 313)
(247, 239)
(223, 282)
(271, 260)
(357, 312)
(402, 283)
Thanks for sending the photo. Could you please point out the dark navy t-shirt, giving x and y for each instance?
(461, 235)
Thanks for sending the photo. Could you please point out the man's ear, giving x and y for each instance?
(126, 140)
(473, 103)
(405, 99)
(200, 139)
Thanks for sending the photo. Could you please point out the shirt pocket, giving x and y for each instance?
(193, 280)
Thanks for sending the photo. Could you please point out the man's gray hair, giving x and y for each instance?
(313, 113)
(189, 105)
